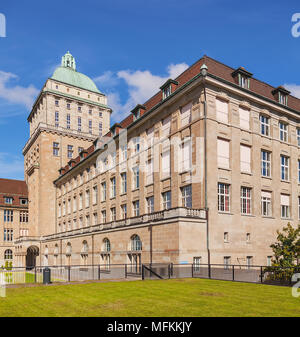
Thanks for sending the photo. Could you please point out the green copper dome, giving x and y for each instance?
(67, 73)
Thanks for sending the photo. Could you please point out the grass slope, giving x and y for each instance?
(184, 297)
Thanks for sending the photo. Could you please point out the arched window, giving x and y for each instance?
(136, 243)
(69, 249)
(106, 245)
(8, 254)
(56, 250)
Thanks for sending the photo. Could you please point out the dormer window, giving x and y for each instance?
(168, 88)
(282, 98)
(23, 201)
(242, 77)
(8, 200)
(281, 95)
(167, 92)
(138, 111)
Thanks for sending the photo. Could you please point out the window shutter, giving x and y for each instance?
(285, 200)
(244, 118)
(223, 153)
(186, 114)
(222, 111)
(245, 159)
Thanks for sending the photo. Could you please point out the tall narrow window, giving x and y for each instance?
(166, 127)
(245, 158)
(223, 153)
(103, 214)
(95, 195)
(186, 156)
(227, 261)
(55, 149)
(123, 153)
(264, 125)
(136, 177)
(222, 111)
(68, 121)
(166, 196)
(123, 183)
(186, 196)
(150, 205)
(90, 127)
(283, 131)
(285, 205)
(165, 163)
(70, 151)
(136, 208)
(149, 171)
(298, 136)
(103, 190)
(245, 200)
(56, 119)
(284, 167)
(124, 211)
(223, 197)
(113, 214)
(266, 208)
(113, 187)
(186, 114)
(100, 129)
(79, 124)
(265, 163)
(244, 118)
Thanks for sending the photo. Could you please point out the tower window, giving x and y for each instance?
(70, 151)
(68, 121)
(79, 124)
(90, 127)
(55, 149)
(56, 119)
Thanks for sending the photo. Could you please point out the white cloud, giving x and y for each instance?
(141, 86)
(294, 89)
(11, 167)
(16, 94)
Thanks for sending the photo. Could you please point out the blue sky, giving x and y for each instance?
(130, 47)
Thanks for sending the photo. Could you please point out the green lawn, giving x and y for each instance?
(184, 297)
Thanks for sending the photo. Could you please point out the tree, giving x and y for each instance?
(287, 248)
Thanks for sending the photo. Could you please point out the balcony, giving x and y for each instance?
(173, 213)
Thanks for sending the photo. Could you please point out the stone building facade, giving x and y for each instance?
(205, 171)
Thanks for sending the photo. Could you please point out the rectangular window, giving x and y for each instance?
(55, 149)
(103, 214)
(269, 261)
(298, 136)
(100, 129)
(123, 153)
(283, 131)
(185, 156)
(265, 163)
(244, 118)
(136, 208)
(74, 204)
(186, 196)
(136, 145)
(167, 92)
(166, 200)
(8, 215)
(95, 195)
(136, 177)
(123, 183)
(222, 111)
(149, 171)
(79, 124)
(197, 263)
(8, 200)
(245, 158)
(80, 201)
(56, 102)
(285, 206)
(226, 237)
(165, 163)
(103, 189)
(79, 108)
(87, 198)
(68, 106)
(166, 127)
(223, 153)
(299, 171)
(227, 262)
(245, 200)
(90, 127)
(150, 205)
(223, 197)
(264, 125)
(124, 211)
(282, 98)
(186, 114)
(266, 206)
(113, 214)
(68, 121)
(113, 187)
(70, 151)
(95, 219)
(24, 216)
(244, 82)
(284, 168)
(8, 234)
(150, 137)
(56, 119)
(249, 261)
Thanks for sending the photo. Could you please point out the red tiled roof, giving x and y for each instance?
(215, 68)
(13, 188)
